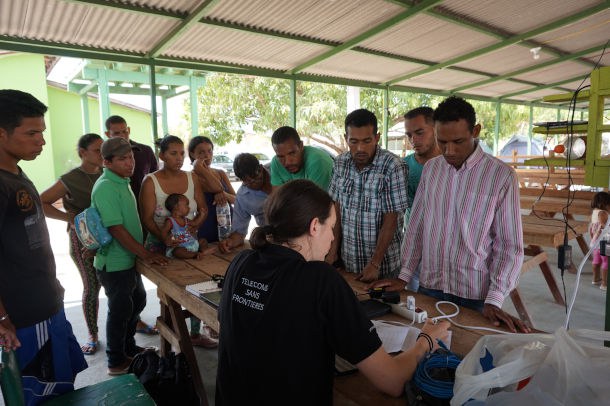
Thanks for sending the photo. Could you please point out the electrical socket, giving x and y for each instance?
(418, 315)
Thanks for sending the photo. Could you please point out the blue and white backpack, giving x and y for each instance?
(90, 230)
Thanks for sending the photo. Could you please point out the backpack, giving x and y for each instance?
(90, 230)
(166, 379)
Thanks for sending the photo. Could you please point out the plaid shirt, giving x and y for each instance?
(365, 196)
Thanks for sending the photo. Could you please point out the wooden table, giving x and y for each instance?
(539, 233)
(554, 201)
(552, 178)
(171, 280)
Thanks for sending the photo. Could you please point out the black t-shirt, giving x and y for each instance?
(282, 319)
(28, 287)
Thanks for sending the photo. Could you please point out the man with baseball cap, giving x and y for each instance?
(115, 263)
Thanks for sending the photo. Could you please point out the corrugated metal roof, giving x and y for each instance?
(517, 16)
(578, 35)
(356, 65)
(333, 20)
(498, 88)
(215, 44)
(429, 38)
(179, 6)
(555, 73)
(442, 79)
(438, 45)
(506, 60)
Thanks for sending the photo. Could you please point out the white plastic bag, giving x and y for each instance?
(566, 368)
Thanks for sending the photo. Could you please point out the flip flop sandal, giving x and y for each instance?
(148, 330)
(89, 348)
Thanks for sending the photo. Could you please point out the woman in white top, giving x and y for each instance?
(156, 187)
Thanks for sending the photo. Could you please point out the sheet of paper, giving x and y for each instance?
(399, 337)
(200, 288)
(392, 336)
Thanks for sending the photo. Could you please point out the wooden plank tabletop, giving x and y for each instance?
(551, 204)
(548, 232)
(352, 389)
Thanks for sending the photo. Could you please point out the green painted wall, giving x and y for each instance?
(26, 72)
(68, 126)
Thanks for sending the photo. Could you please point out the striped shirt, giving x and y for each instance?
(465, 227)
(364, 197)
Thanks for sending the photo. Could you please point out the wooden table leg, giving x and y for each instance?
(534, 250)
(584, 247)
(173, 333)
(520, 308)
(164, 320)
(186, 347)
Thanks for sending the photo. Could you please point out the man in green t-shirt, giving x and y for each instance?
(419, 129)
(116, 263)
(292, 160)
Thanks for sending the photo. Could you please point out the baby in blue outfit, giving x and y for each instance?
(186, 245)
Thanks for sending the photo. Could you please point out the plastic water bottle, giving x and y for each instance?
(223, 217)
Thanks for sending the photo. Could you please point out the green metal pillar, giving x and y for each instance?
(104, 98)
(386, 115)
(293, 103)
(84, 109)
(153, 101)
(194, 108)
(497, 127)
(164, 115)
(530, 133)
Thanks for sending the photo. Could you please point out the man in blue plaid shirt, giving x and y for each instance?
(369, 187)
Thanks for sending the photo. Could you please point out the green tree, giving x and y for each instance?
(231, 103)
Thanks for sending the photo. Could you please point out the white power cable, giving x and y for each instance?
(457, 311)
(594, 244)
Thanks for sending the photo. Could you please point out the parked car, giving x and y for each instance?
(224, 163)
(262, 158)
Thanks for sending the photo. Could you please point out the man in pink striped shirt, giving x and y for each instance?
(465, 224)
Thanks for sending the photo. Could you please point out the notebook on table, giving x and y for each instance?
(207, 291)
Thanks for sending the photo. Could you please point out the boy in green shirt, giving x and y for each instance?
(116, 263)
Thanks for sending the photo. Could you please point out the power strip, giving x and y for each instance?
(418, 315)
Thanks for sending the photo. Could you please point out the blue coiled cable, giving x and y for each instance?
(442, 358)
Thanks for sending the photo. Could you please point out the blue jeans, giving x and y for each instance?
(126, 300)
(473, 304)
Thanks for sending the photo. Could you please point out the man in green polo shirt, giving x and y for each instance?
(292, 160)
(116, 263)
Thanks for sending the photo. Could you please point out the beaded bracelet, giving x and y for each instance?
(428, 338)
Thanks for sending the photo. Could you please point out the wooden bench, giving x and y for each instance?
(545, 232)
(554, 178)
(551, 202)
(515, 296)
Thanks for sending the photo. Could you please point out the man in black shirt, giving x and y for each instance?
(32, 319)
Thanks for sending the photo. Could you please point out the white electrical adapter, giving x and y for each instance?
(418, 315)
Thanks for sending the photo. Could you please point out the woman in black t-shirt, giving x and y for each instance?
(285, 313)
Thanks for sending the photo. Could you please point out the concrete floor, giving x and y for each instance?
(547, 315)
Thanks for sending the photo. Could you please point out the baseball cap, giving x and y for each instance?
(115, 146)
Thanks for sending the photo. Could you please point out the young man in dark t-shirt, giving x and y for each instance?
(32, 319)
